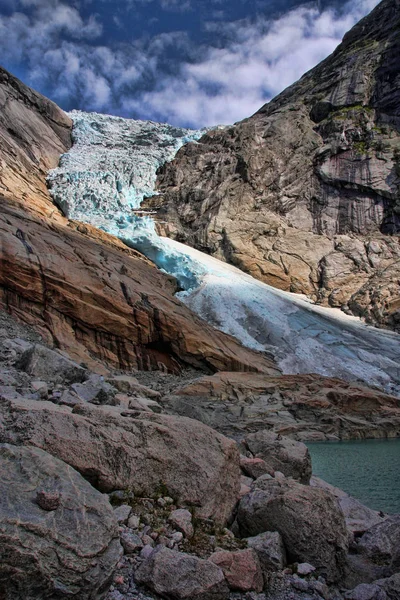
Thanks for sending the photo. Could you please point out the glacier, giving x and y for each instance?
(103, 179)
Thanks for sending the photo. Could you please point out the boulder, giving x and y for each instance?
(309, 520)
(181, 519)
(242, 569)
(117, 449)
(391, 585)
(182, 576)
(255, 467)
(366, 591)
(359, 518)
(58, 535)
(95, 392)
(381, 543)
(41, 362)
(281, 454)
(270, 550)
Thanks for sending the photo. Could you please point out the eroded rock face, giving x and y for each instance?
(125, 450)
(304, 194)
(302, 407)
(58, 535)
(309, 520)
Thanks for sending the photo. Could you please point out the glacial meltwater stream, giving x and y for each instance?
(103, 179)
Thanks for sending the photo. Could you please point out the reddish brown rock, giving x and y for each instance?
(241, 569)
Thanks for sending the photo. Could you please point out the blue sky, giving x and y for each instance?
(187, 62)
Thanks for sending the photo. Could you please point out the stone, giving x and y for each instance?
(95, 392)
(50, 365)
(146, 551)
(359, 518)
(177, 537)
(255, 467)
(281, 454)
(134, 522)
(198, 466)
(270, 550)
(58, 535)
(41, 387)
(304, 569)
(122, 513)
(182, 519)
(182, 576)
(242, 569)
(48, 500)
(131, 542)
(391, 586)
(366, 591)
(381, 543)
(130, 385)
(309, 520)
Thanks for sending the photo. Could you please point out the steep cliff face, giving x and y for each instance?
(83, 289)
(305, 194)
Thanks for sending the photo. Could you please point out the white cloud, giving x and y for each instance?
(214, 85)
(261, 60)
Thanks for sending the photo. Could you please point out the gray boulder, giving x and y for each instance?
(381, 543)
(359, 518)
(281, 454)
(391, 586)
(42, 363)
(118, 449)
(309, 520)
(366, 591)
(270, 550)
(182, 576)
(58, 535)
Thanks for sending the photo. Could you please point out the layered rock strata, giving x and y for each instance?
(84, 290)
(303, 407)
(304, 195)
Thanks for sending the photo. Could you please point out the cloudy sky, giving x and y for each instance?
(187, 62)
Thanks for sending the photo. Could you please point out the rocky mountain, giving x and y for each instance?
(304, 195)
(83, 289)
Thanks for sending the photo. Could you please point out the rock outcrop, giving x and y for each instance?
(117, 449)
(303, 407)
(309, 520)
(84, 290)
(304, 195)
(58, 535)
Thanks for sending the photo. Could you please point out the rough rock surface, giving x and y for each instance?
(182, 576)
(242, 569)
(302, 407)
(304, 194)
(270, 550)
(52, 549)
(309, 520)
(282, 454)
(124, 313)
(359, 518)
(117, 449)
(381, 543)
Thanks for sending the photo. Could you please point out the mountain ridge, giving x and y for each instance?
(304, 194)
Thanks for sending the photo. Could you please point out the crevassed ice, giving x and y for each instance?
(107, 173)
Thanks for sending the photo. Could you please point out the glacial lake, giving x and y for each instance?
(369, 470)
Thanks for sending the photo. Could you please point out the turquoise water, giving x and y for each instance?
(369, 470)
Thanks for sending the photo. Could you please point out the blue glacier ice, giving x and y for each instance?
(111, 168)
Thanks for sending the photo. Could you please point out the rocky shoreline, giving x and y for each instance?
(106, 495)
